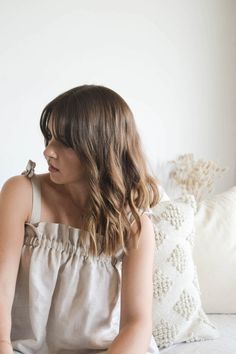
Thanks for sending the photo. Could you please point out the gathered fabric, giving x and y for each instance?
(65, 301)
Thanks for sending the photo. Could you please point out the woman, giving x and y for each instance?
(76, 246)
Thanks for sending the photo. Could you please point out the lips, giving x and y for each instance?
(50, 165)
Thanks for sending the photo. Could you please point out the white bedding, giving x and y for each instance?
(225, 344)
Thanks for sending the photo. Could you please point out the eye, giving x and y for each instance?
(48, 134)
(66, 145)
(47, 138)
(62, 141)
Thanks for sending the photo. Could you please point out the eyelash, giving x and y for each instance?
(49, 137)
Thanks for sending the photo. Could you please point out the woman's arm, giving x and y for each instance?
(136, 295)
(14, 207)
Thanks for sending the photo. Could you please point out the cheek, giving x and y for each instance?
(72, 162)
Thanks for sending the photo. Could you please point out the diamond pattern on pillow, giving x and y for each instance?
(165, 333)
(177, 259)
(177, 310)
(161, 284)
(173, 214)
(185, 305)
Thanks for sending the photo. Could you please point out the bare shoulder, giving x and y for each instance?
(16, 184)
(15, 205)
(16, 193)
(147, 236)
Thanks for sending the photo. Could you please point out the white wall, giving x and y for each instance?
(173, 62)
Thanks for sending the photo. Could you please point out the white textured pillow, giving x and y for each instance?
(215, 251)
(177, 311)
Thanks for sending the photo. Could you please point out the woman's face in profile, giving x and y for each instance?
(64, 159)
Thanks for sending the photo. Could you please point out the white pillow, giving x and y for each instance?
(177, 311)
(215, 251)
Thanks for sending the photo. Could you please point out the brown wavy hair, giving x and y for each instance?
(99, 126)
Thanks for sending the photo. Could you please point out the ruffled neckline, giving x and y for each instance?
(64, 234)
(42, 224)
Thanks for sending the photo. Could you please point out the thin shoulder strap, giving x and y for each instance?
(142, 210)
(36, 191)
(120, 253)
(36, 199)
(147, 211)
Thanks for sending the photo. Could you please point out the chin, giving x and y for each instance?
(55, 178)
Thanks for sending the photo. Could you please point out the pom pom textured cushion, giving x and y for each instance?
(178, 315)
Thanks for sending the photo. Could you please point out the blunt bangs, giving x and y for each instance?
(61, 125)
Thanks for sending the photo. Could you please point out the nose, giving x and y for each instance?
(49, 152)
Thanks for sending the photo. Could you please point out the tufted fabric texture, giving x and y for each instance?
(178, 315)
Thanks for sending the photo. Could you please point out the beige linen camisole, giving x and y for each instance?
(65, 302)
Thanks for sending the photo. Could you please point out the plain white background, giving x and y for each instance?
(174, 62)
